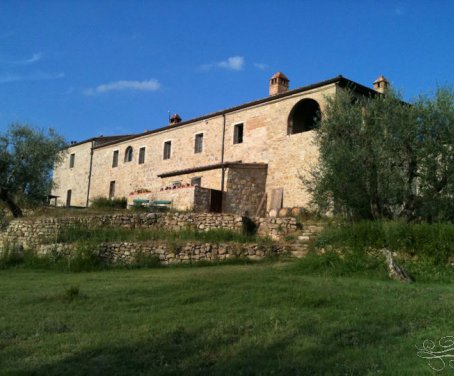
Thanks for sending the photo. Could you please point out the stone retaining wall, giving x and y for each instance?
(32, 232)
(128, 253)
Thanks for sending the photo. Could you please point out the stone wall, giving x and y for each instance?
(30, 233)
(202, 200)
(130, 253)
(246, 184)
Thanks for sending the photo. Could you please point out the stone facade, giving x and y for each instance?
(183, 198)
(265, 139)
(75, 178)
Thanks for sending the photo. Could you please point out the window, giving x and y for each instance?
(115, 159)
(198, 146)
(304, 116)
(68, 197)
(167, 149)
(72, 158)
(112, 190)
(128, 154)
(141, 155)
(196, 181)
(238, 134)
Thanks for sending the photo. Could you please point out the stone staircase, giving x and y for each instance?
(308, 234)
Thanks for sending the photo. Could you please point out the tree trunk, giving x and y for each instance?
(10, 204)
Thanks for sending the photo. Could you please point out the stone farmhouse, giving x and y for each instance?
(244, 160)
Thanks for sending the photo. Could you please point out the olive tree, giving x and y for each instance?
(27, 157)
(382, 158)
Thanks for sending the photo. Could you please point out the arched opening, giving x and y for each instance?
(304, 116)
(128, 154)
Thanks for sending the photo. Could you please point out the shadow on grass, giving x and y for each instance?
(225, 352)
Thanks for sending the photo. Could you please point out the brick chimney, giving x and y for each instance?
(278, 83)
(175, 119)
(381, 84)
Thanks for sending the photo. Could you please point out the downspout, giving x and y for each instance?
(222, 164)
(89, 172)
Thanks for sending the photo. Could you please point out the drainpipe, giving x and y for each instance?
(89, 172)
(222, 164)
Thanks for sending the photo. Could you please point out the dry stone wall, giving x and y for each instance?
(130, 253)
(30, 233)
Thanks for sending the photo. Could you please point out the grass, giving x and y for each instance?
(106, 203)
(427, 250)
(430, 240)
(259, 319)
(117, 234)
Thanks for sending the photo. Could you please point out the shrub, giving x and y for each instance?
(10, 256)
(147, 260)
(84, 259)
(431, 241)
(71, 293)
(107, 203)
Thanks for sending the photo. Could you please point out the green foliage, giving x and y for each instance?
(383, 158)
(116, 234)
(84, 259)
(27, 157)
(147, 260)
(105, 203)
(11, 256)
(71, 293)
(349, 262)
(434, 242)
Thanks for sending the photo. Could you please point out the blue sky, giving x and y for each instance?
(88, 68)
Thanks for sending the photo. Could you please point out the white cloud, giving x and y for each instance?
(261, 66)
(36, 57)
(150, 85)
(235, 63)
(37, 76)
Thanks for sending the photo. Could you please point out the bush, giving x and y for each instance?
(10, 256)
(425, 241)
(107, 203)
(146, 260)
(347, 263)
(84, 259)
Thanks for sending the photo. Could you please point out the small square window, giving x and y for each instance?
(238, 134)
(196, 181)
(115, 159)
(72, 159)
(141, 155)
(198, 145)
(167, 149)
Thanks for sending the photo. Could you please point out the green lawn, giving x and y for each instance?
(255, 319)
